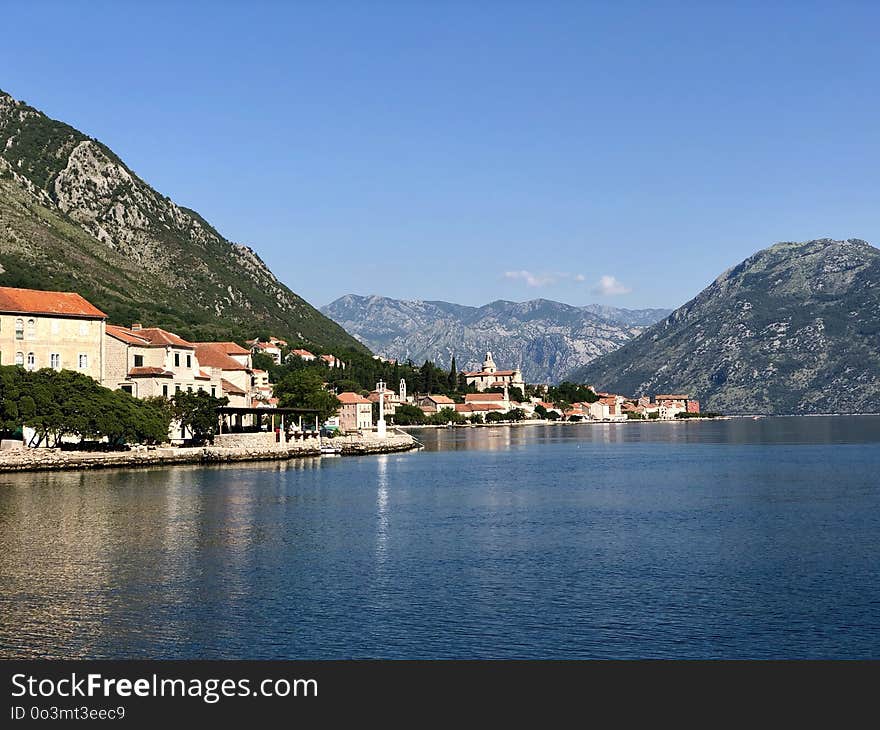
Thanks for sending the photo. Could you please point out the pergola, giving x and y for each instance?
(289, 412)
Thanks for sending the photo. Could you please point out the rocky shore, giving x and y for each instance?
(24, 459)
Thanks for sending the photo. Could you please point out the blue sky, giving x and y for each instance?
(621, 153)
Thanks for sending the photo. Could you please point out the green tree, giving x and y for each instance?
(305, 389)
(197, 412)
(407, 415)
(453, 376)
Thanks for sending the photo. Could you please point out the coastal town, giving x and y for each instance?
(62, 331)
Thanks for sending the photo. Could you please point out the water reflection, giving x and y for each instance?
(382, 507)
(735, 538)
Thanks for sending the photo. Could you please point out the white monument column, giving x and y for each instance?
(380, 424)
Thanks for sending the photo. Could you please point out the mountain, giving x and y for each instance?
(793, 329)
(544, 338)
(74, 216)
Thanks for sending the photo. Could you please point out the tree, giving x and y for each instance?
(66, 403)
(446, 415)
(262, 361)
(407, 415)
(453, 376)
(197, 412)
(305, 389)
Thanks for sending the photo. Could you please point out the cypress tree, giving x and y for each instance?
(453, 376)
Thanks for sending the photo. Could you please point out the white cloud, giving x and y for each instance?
(530, 278)
(609, 286)
(535, 279)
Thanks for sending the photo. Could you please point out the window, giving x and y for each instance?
(164, 391)
(138, 361)
(55, 361)
(83, 361)
(213, 391)
(127, 388)
(32, 327)
(177, 359)
(31, 361)
(19, 358)
(189, 389)
(189, 361)
(176, 388)
(19, 329)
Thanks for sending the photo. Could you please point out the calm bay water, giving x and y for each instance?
(740, 539)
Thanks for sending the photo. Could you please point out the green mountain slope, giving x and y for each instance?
(73, 216)
(793, 329)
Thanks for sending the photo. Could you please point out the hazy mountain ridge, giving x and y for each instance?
(795, 328)
(543, 337)
(73, 216)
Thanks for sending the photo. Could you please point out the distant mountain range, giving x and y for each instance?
(794, 328)
(74, 217)
(546, 339)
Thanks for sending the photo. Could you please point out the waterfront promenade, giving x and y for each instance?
(25, 459)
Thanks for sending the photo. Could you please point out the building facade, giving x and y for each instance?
(355, 412)
(50, 329)
(151, 361)
(491, 377)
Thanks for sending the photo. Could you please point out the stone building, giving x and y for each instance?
(491, 377)
(151, 361)
(355, 412)
(51, 329)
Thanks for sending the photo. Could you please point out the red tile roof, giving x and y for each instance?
(477, 407)
(301, 353)
(216, 355)
(148, 336)
(126, 335)
(483, 397)
(351, 398)
(34, 301)
(442, 399)
(231, 388)
(154, 372)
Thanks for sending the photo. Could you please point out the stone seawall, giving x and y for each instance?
(57, 460)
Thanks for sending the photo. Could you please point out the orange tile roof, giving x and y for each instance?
(126, 335)
(231, 388)
(301, 353)
(216, 355)
(35, 301)
(151, 372)
(477, 407)
(158, 336)
(440, 399)
(148, 336)
(350, 398)
(483, 397)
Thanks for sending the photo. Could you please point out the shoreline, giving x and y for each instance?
(40, 459)
(726, 417)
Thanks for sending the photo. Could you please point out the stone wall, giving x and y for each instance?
(56, 459)
(258, 440)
